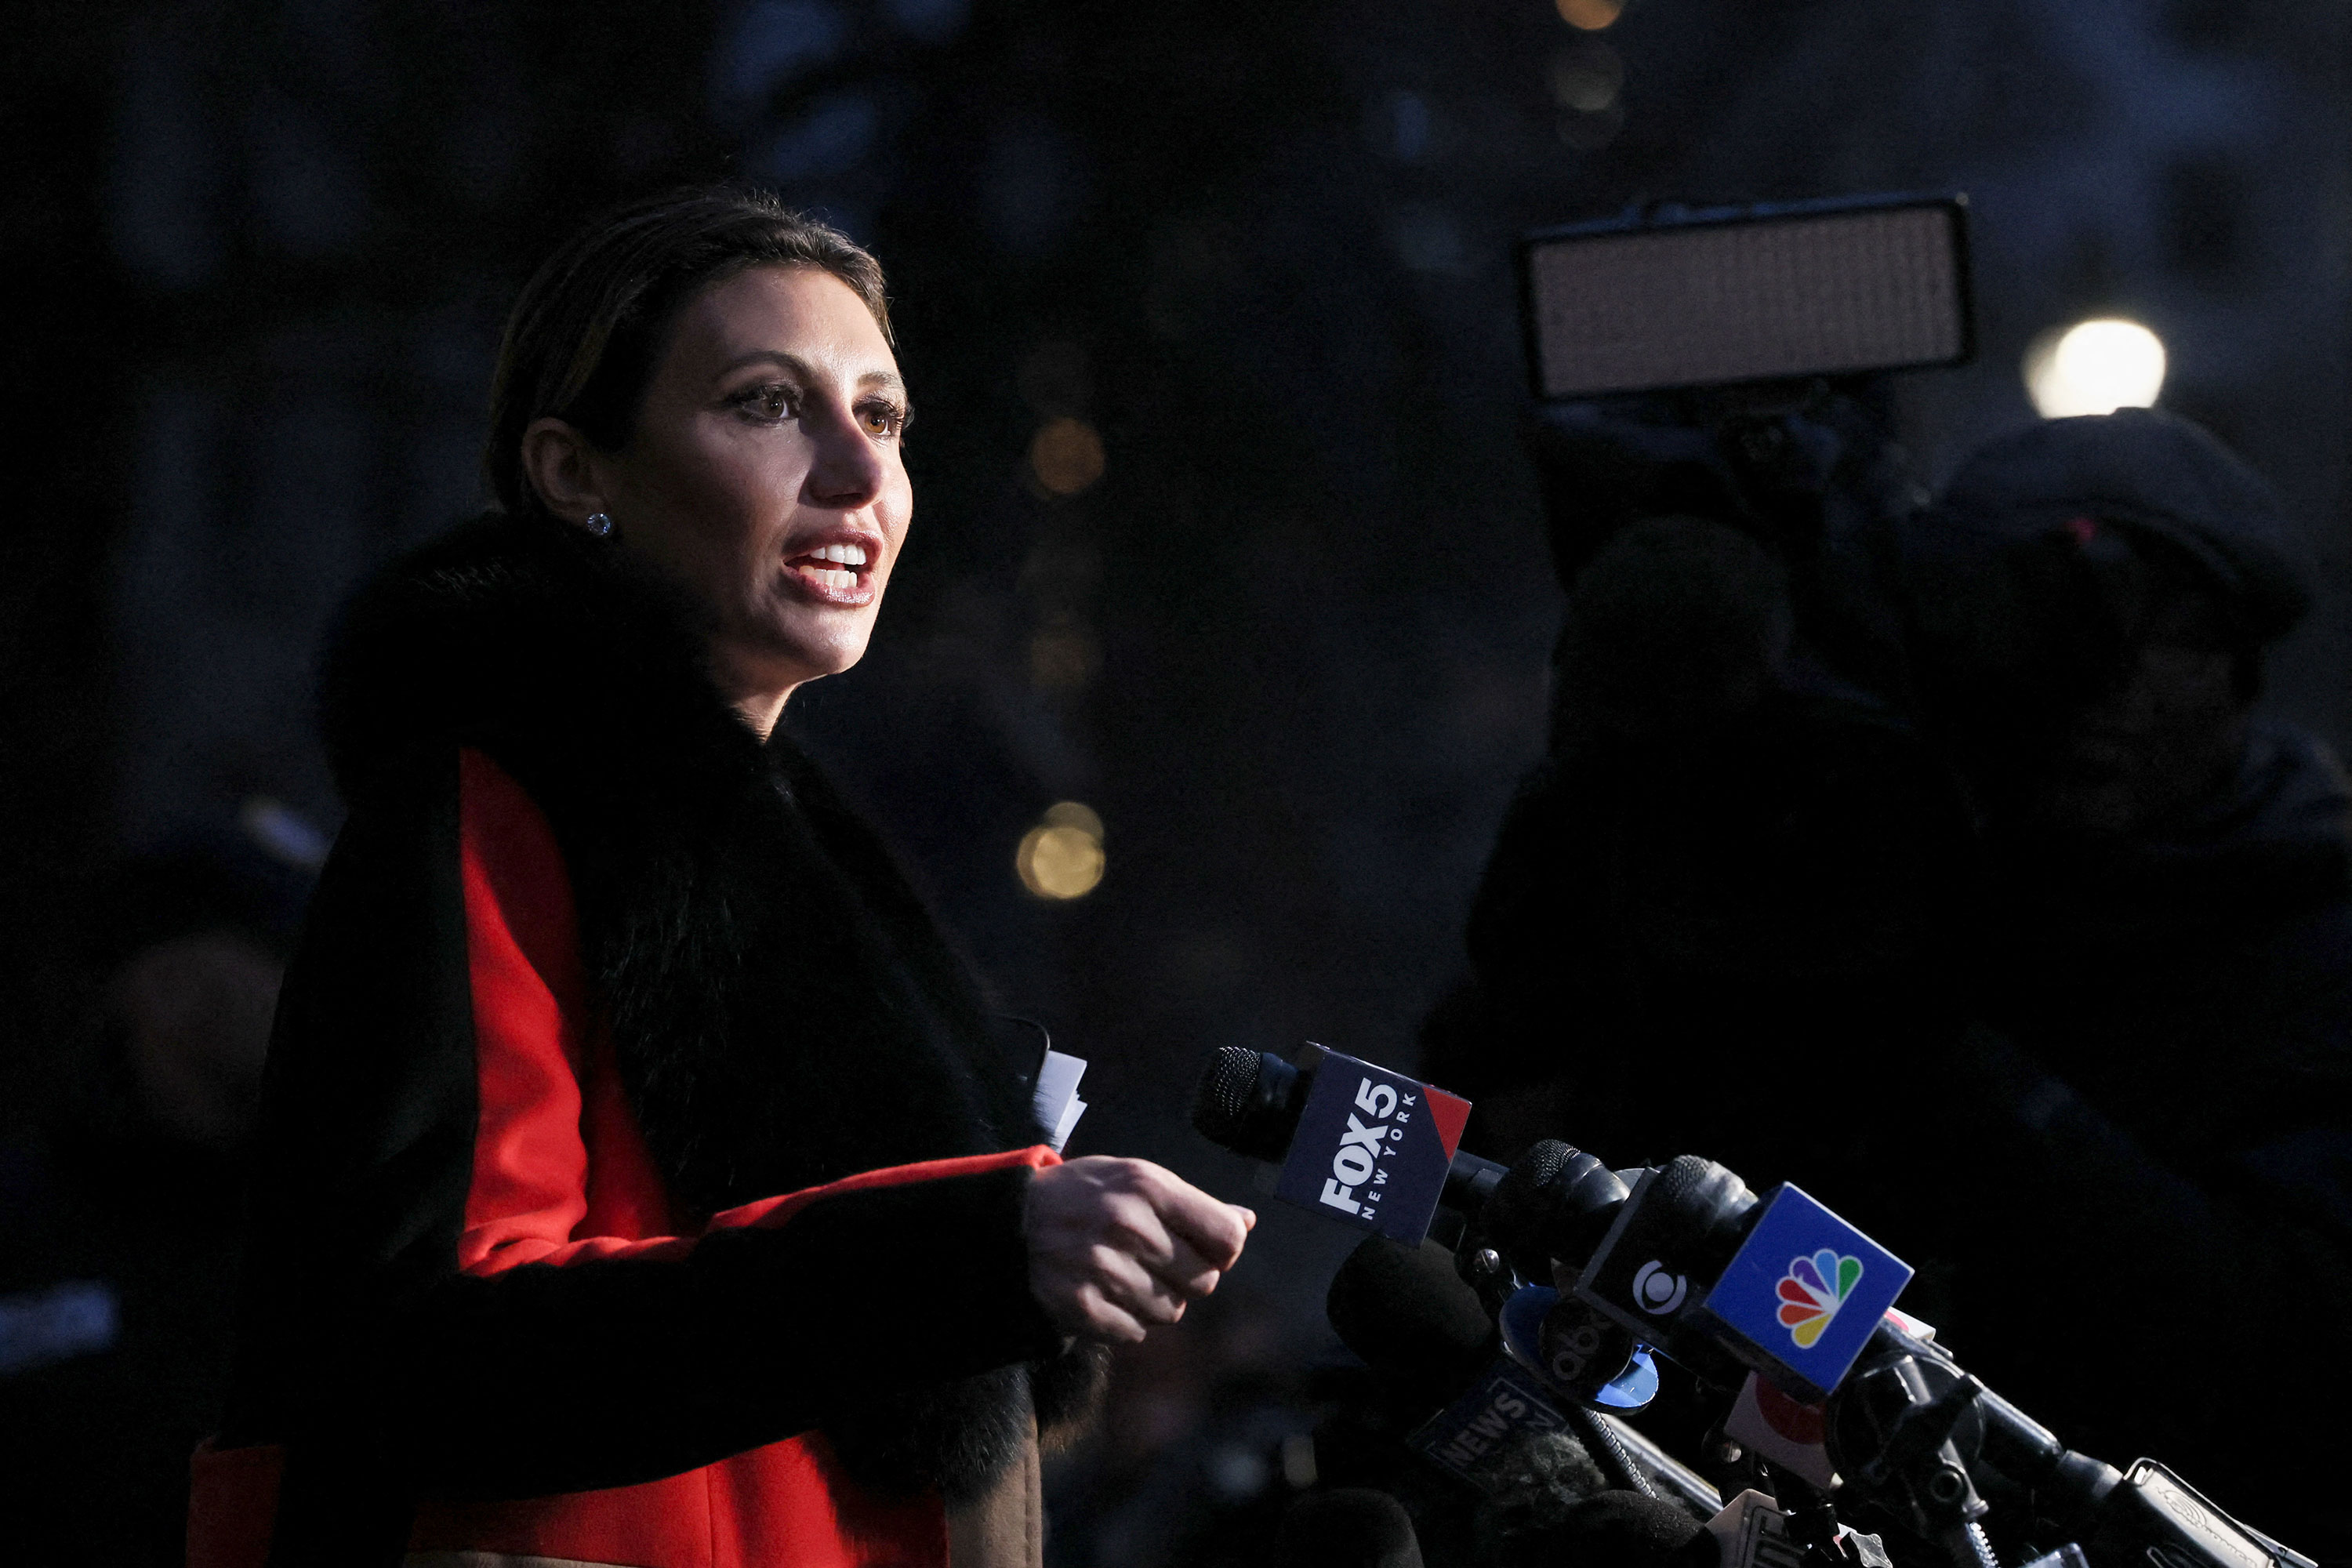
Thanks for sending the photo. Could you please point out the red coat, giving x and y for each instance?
(571, 1269)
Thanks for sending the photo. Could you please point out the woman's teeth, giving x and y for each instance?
(852, 556)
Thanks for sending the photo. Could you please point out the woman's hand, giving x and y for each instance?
(1117, 1246)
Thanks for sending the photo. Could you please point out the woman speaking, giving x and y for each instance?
(639, 1183)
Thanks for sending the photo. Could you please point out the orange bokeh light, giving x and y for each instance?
(1590, 15)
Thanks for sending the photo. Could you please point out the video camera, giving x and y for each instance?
(1727, 361)
(1736, 364)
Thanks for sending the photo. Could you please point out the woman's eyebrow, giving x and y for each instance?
(792, 362)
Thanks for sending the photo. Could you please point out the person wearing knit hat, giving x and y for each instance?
(2153, 473)
(2159, 948)
(2090, 601)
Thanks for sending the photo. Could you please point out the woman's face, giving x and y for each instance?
(764, 473)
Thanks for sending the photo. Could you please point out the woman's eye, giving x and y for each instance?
(882, 420)
(772, 402)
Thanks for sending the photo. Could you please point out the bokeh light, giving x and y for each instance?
(1075, 814)
(1588, 77)
(1066, 456)
(2094, 367)
(1591, 15)
(1062, 856)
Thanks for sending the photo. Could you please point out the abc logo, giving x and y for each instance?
(1573, 1352)
(1657, 1292)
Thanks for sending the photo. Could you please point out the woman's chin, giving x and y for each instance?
(796, 651)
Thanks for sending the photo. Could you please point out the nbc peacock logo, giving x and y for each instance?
(1811, 1292)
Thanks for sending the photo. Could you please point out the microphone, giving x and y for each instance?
(1409, 1315)
(1357, 1143)
(1556, 1202)
(1684, 1258)
(1349, 1526)
(1406, 1313)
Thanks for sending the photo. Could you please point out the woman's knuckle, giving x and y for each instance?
(1131, 1223)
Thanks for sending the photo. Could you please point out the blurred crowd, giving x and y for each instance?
(1932, 854)
(121, 1192)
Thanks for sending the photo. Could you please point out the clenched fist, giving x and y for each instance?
(1117, 1246)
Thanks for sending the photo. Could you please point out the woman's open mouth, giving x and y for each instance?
(836, 574)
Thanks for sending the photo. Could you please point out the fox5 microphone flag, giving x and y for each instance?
(1372, 1148)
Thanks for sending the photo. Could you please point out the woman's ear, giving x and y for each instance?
(559, 463)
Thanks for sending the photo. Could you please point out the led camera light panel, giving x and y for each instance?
(1763, 294)
(1803, 1294)
(1372, 1148)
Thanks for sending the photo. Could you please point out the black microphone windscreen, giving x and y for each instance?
(1616, 1530)
(1247, 1102)
(1406, 1312)
(1518, 1215)
(1220, 1103)
(1353, 1527)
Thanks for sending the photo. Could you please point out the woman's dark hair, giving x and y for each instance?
(589, 328)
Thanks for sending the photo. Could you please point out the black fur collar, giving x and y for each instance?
(784, 1009)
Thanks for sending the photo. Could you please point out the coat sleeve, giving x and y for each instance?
(421, 1307)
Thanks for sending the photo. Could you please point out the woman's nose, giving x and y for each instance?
(847, 470)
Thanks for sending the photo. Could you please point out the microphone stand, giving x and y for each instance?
(1909, 1425)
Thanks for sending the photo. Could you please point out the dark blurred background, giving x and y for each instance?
(1225, 527)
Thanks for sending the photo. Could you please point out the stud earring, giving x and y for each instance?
(600, 524)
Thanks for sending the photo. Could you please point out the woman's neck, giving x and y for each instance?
(753, 687)
(761, 710)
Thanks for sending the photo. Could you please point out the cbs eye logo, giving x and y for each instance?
(1657, 1292)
